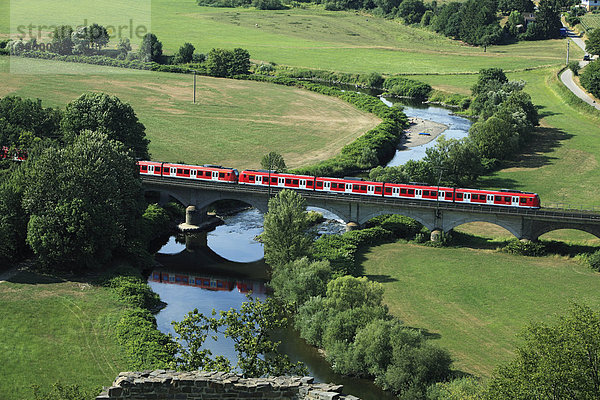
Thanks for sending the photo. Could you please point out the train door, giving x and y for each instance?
(441, 195)
(371, 189)
(348, 188)
(280, 181)
(193, 173)
(258, 179)
(490, 199)
(327, 186)
(151, 169)
(395, 192)
(467, 197)
(418, 193)
(215, 175)
(515, 201)
(302, 183)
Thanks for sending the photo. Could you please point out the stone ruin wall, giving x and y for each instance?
(200, 385)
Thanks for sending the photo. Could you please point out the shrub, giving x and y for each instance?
(399, 225)
(574, 66)
(590, 78)
(525, 248)
(134, 292)
(403, 87)
(594, 260)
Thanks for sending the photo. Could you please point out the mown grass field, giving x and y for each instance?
(341, 41)
(477, 300)
(233, 122)
(56, 331)
(591, 21)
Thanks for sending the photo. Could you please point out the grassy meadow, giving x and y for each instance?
(56, 331)
(232, 123)
(475, 301)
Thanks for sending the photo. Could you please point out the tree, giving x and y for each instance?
(273, 161)
(388, 174)
(249, 328)
(456, 162)
(124, 47)
(495, 138)
(24, 120)
(98, 36)
(489, 79)
(109, 115)
(590, 78)
(411, 11)
(547, 22)
(240, 62)
(85, 201)
(13, 219)
(555, 361)
(151, 48)
(81, 40)
(61, 39)
(347, 292)
(185, 54)
(294, 283)
(592, 44)
(285, 226)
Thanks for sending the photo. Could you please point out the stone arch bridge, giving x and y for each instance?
(522, 223)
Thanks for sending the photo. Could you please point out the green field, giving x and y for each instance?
(56, 331)
(233, 122)
(314, 38)
(590, 21)
(477, 300)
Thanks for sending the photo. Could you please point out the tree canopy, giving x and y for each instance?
(556, 361)
(151, 48)
(84, 201)
(592, 44)
(273, 161)
(109, 115)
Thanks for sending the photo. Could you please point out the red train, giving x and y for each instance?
(6, 153)
(503, 197)
(208, 282)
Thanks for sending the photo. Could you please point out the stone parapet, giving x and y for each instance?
(201, 385)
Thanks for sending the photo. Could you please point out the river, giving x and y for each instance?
(215, 270)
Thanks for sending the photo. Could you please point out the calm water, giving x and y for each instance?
(458, 128)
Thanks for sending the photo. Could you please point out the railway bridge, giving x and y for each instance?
(356, 209)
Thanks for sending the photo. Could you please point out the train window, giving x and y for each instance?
(523, 200)
(363, 187)
(309, 183)
(433, 193)
(186, 171)
(389, 190)
(497, 198)
(144, 168)
(459, 196)
(377, 190)
(425, 192)
(295, 182)
(157, 169)
(273, 180)
(411, 191)
(334, 185)
(221, 175)
(251, 178)
(179, 171)
(319, 185)
(448, 195)
(507, 199)
(402, 191)
(288, 181)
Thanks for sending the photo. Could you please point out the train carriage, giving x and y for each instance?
(195, 172)
(260, 177)
(349, 185)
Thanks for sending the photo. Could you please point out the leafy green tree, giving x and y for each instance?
(590, 78)
(388, 174)
(520, 6)
(489, 79)
(124, 47)
(285, 237)
(107, 114)
(22, 121)
(592, 44)
(84, 201)
(347, 292)
(453, 162)
(515, 22)
(556, 361)
(547, 22)
(273, 161)
(98, 36)
(222, 63)
(241, 61)
(465, 388)
(294, 283)
(185, 53)
(81, 40)
(495, 138)
(13, 219)
(268, 4)
(411, 11)
(61, 39)
(367, 158)
(249, 328)
(151, 48)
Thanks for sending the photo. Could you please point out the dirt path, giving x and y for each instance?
(412, 135)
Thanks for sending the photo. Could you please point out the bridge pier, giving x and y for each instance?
(352, 226)
(436, 235)
(196, 240)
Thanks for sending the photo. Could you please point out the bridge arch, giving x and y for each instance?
(426, 222)
(546, 228)
(514, 227)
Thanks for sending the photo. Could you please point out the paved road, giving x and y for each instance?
(567, 76)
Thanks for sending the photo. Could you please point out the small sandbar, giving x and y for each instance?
(412, 135)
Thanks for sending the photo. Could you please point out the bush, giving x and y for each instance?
(525, 248)
(574, 66)
(134, 292)
(590, 78)
(401, 226)
(403, 87)
(594, 260)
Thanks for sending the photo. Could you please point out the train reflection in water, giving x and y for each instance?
(209, 282)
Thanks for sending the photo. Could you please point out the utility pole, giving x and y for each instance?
(568, 43)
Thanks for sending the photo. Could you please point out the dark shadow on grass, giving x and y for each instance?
(535, 153)
(543, 112)
(461, 239)
(34, 278)
(381, 278)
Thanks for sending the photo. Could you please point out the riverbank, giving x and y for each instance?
(413, 134)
